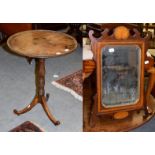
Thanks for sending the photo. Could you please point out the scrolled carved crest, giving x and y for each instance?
(119, 33)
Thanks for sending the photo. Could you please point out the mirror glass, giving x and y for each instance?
(120, 73)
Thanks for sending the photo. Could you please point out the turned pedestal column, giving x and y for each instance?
(40, 92)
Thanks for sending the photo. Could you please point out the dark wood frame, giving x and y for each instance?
(139, 104)
(134, 39)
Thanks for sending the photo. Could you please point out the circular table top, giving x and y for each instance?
(41, 43)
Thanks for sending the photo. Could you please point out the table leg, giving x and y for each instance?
(28, 108)
(40, 92)
(47, 111)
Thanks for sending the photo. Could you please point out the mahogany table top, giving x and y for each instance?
(41, 43)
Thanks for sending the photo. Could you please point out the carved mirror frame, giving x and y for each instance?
(120, 36)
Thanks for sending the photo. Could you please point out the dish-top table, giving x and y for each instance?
(41, 44)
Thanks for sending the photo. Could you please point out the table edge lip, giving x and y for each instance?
(32, 56)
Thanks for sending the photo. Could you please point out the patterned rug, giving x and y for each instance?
(72, 84)
(27, 127)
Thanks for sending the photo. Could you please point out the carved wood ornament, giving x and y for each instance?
(122, 36)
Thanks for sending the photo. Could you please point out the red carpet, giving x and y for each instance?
(27, 127)
(71, 83)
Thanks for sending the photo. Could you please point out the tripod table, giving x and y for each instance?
(40, 45)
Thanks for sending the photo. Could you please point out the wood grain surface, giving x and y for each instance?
(41, 43)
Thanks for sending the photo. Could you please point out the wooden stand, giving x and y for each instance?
(107, 123)
(40, 92)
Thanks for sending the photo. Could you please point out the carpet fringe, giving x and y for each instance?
(77, 96)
